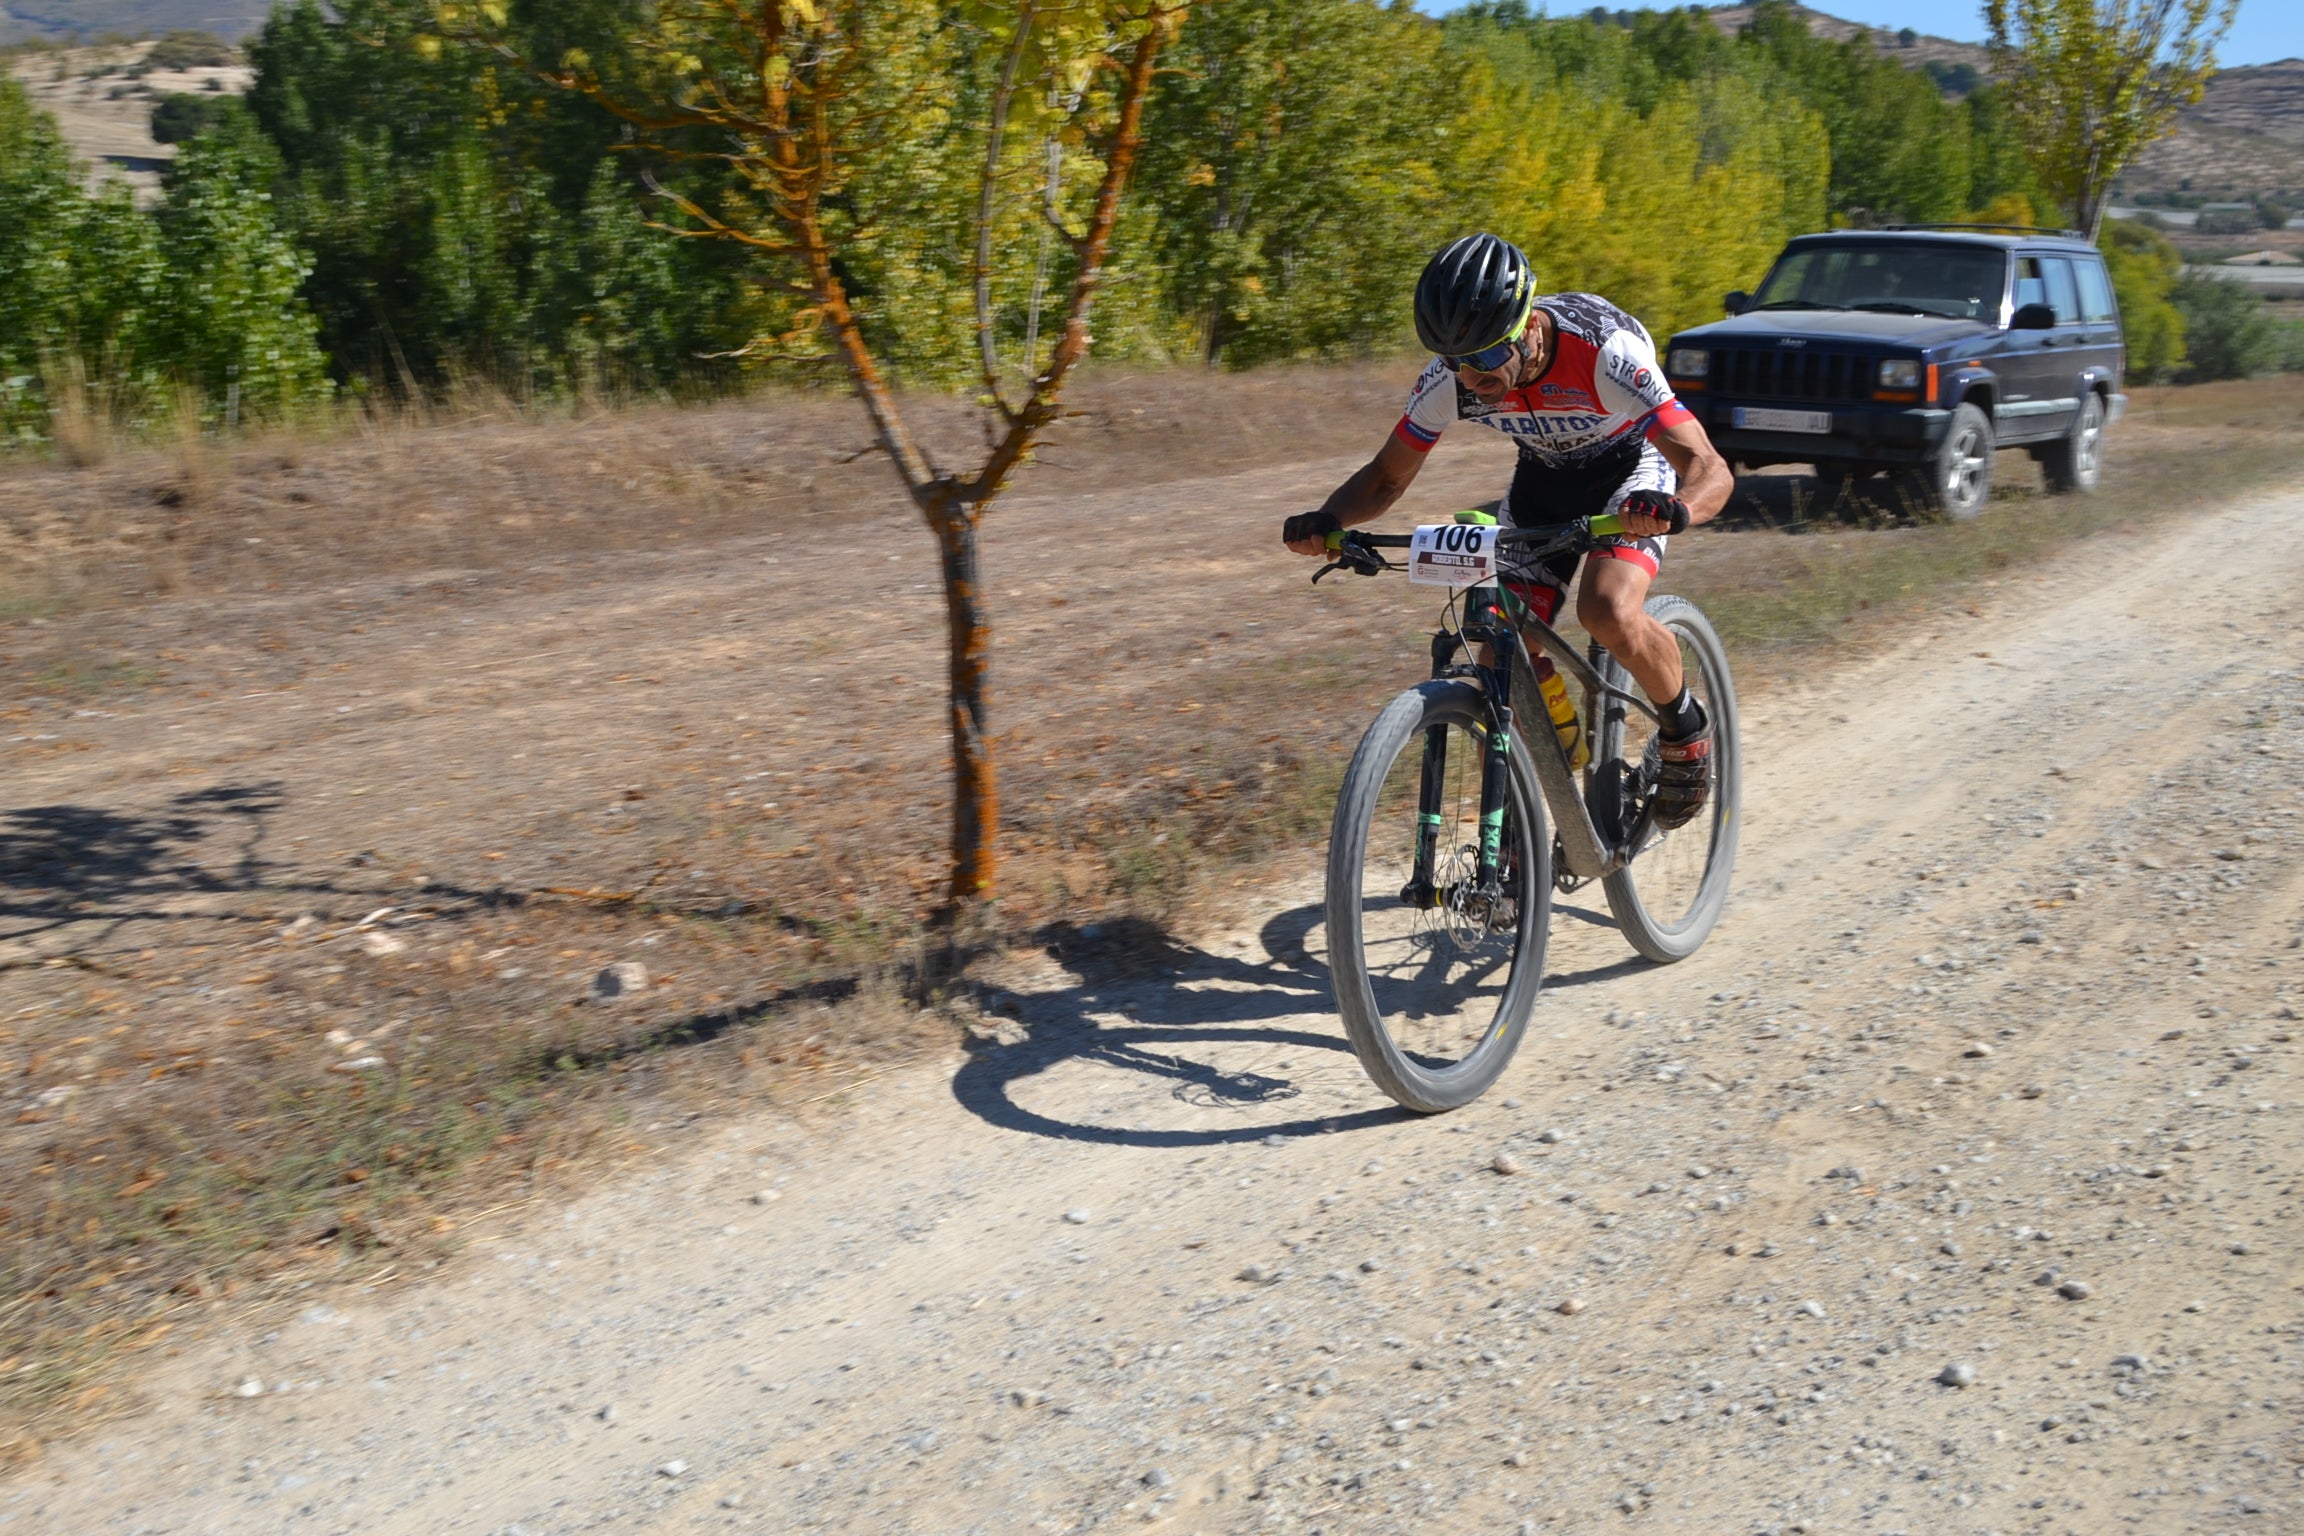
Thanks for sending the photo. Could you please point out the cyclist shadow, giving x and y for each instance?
(1249, 1042)
(1223, 1037)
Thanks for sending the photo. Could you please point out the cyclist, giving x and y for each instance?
(1575, 382)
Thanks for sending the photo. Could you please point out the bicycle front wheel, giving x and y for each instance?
(1671, 893)
(1435, 979)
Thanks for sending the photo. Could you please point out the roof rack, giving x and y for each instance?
(2005, 229)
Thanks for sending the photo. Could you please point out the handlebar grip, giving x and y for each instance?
(1604, 525)
(1334, 541)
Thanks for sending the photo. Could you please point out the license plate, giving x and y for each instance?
(1762, 420)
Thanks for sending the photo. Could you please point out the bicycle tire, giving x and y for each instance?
(1670, 895)
(1408, 984)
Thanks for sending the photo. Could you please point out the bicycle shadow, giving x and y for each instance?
(1215, 1035)
(1224, 1049)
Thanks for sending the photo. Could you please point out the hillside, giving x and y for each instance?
(1944, 52)
(105, 115)
(60, 20)
(2245, 136)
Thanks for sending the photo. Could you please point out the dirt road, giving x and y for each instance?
(1953, 1186)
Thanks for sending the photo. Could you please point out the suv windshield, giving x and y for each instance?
(1961, 281)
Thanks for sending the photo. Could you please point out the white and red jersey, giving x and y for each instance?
(1602, 399)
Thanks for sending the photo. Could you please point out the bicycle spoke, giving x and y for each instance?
(1439, 973)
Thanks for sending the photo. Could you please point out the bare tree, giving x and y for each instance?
(776, 90)
(2091, 82)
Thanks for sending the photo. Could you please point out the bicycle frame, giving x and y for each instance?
(1583, 848)
(1510, 691)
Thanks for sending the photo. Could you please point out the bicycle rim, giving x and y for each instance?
(1435, 987)
(1668, 898)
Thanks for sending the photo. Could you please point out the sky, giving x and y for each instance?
(2267, 29)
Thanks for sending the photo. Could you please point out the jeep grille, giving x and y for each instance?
(1788, 373)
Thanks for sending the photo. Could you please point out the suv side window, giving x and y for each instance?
(2031, 287)
(2096, 293)
(2062, 296)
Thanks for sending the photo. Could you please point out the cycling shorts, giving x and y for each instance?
(1544, 494)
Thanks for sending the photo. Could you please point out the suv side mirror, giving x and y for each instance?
(1737, 301)
(2033, 317)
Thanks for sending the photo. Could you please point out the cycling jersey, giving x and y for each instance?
(1602, 393)
(1585, 429)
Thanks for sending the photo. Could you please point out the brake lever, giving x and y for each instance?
(1360, 561)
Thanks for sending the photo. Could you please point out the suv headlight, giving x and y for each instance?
(1688, 363)
(1900, 373)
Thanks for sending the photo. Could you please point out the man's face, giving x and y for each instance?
(1492, 386)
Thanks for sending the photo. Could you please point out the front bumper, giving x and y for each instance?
(1886, 434)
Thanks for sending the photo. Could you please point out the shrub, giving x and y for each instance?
(2145, 266)
(2228, 221)
(2228, 332)
(189, 50)
(180, 116)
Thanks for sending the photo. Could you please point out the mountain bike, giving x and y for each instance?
(1441, 869)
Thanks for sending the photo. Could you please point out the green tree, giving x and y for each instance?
(2145, 267)
(1298, 156)
(455, 213)
(236, 322)
(2091, 82)
(80, 281)
(808, 103)
(1900, 151)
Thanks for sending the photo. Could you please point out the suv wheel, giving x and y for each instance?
(1955, 481)
(2073, 465)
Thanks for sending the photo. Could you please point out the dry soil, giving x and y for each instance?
(1951, 1187)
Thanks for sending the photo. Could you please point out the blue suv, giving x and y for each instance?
(1915, 352)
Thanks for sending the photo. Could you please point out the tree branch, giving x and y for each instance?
(987, 343)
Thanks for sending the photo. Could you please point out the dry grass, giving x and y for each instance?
(522, 683)
(482, 484)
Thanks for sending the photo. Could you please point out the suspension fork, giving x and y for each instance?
(1481, 604)
(1422, 893)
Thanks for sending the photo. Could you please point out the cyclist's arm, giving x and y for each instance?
(1705, 479)
(1371, 491)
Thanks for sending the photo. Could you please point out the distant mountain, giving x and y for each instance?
(23, 21)
(1955, 64)
(2245, 138)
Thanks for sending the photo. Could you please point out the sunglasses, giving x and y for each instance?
(1487, 361)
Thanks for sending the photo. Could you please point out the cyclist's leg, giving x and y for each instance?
(1610, 599)
(1610, 604)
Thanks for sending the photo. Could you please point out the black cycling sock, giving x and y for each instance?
(1683, 717)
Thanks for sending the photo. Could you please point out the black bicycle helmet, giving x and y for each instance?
(1472, 295)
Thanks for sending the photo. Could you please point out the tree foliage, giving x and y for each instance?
(2091, 82)
(113, 307)
(457, 213)
(2145, 267)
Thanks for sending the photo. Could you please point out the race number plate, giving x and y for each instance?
(1759, 419)
(1453, 554)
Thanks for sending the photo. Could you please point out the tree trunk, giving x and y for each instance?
(975, 791)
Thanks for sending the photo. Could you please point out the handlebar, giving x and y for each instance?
(1356, 552)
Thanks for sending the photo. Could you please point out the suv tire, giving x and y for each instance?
(2073, 466)
(1955, 481)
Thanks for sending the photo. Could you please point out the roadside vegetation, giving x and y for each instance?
(390, 215)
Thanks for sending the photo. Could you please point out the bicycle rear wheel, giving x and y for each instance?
(1671, 893)
(1436, 987)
